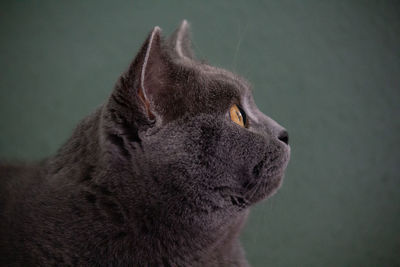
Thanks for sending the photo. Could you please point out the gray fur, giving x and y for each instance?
(130, 190)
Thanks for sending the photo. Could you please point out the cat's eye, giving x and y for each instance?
(237, 115)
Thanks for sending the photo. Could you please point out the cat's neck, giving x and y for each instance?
(79, 154)
(179, 243)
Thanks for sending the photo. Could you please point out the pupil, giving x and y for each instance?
(239, 115)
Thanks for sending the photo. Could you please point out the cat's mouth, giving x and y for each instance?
(267, 174)
(273, 162)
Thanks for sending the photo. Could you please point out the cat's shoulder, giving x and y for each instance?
(15, 177)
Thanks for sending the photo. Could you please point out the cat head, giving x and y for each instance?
(187, 135)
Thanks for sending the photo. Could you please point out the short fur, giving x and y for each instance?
(157, 176)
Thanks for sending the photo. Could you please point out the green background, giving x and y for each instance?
(329, 71)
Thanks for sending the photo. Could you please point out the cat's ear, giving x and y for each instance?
(180, 42)
(152, 70)
(148, 76)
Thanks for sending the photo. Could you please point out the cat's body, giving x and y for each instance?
(159, 175)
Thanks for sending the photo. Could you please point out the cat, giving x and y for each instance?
(162, 174)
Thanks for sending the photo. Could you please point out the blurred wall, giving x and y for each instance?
(329, 71)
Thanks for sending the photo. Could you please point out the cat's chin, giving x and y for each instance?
(274, 185)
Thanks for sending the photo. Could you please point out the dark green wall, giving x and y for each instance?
(329, 71)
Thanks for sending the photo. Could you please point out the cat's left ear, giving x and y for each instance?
(148, 79)
(180, 41)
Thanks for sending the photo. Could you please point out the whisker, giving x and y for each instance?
(241, 36)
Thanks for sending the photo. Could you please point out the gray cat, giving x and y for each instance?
(162, 174)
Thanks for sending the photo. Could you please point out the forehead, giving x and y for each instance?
(200, 88)
(217, 79)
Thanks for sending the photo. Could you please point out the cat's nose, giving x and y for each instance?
(284, 136)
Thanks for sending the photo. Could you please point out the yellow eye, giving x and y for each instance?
(237, 115)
